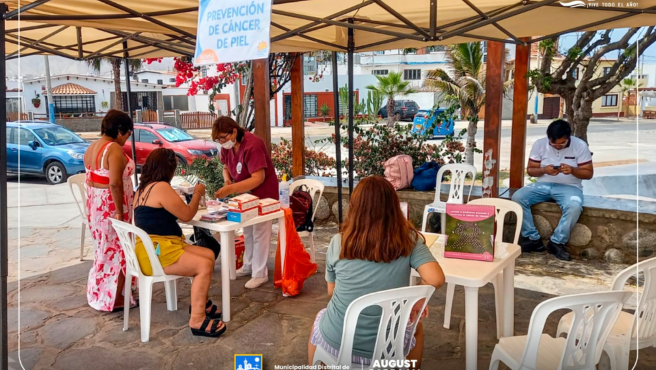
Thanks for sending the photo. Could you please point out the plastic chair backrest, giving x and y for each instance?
(456, 191)
(79, 181)
(313, 186)
(127, 234)
(397, 306)
(594, 317)
(644, 323)
(503, 206)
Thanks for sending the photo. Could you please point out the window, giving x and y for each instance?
(160, 82)
(74, 103)
(310, 66)
(57, 135)
(11, 132)
(24, 136)
(412, 74)
(380, 72)
(575, 74)
(609, 100)
(203, 72)
(174, 135)
(180, 102)
(144, 80)
(484, 49)
(310, 106)
(147, 137)
(606, 71)
(172, 80)
(640, 77)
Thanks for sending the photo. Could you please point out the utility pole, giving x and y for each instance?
(51, 103)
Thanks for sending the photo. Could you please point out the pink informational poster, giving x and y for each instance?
(470, 232)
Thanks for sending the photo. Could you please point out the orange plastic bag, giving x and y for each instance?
(297, 261)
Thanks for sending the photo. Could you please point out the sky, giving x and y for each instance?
(567, 41)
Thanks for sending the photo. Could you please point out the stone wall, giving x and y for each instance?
(80, 124)
(605, 231)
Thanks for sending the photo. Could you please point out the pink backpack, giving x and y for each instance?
(398, 171)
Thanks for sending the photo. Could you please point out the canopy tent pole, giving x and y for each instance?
(351, 47)
(520, 109)
(338, 139)
(298, 118)
(492, 130)
(4, 348)
(129, 105)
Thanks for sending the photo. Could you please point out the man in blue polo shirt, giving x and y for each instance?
(559, 161)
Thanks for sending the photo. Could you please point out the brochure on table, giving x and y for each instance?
(470, 232)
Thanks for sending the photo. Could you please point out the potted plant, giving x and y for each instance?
(324, 110)
(36, 101)
(104, 104)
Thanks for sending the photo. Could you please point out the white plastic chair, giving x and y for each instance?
(456, 191)
(313, 186)
(631, 332)
(502, 206)
(126, 234)
(80, 197)
(397, 306)
(594, 314)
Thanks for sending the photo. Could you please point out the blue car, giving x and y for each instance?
(46, 149)
(423, 122)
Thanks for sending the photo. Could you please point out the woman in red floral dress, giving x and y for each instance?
(108, 172)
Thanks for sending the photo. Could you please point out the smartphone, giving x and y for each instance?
(556, 167)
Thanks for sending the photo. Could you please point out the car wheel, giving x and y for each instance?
(181, 160)
(56, 173)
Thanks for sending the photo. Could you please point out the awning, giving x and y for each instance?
(167, 28)
(72, 89)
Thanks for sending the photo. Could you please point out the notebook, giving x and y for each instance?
(470, 232)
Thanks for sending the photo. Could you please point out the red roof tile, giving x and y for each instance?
(72, 89)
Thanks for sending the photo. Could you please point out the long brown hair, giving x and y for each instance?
(376, 229)
(160, 166)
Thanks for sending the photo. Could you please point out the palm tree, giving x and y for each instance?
(468, 84)
(626, 85)
(135, 65)
(391, 86)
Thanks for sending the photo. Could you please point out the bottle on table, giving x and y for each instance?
(283, 192)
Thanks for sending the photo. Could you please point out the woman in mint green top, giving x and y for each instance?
(375, 252)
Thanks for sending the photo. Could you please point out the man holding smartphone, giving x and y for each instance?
(559, 162)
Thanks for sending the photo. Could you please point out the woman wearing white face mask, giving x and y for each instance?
(247, 167)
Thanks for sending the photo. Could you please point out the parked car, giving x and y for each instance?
(403, 109)
(150, 136)
(46, 149)
(424, 121)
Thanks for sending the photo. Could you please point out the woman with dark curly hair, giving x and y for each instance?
(109, 195)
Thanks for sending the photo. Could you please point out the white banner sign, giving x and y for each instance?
(232, 31)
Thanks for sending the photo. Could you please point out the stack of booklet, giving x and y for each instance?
(215, 216)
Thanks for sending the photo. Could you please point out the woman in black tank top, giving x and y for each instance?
(157, 207)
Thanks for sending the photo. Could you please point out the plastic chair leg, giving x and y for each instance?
(450, 290)
(312, 250)
(126, 293)
(498, 302)
(145, 302)
(82, 242)
(443, 222)
(171, 289)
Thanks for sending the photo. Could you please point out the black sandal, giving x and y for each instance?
(212, 314)
(213, 332)
(120, 309)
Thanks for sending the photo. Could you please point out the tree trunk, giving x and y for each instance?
(390, 111)
(580, 119)
(116, 67)
(243, 113)
(471, 141)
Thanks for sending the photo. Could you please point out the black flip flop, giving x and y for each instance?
(212, 314)
(213, 333)
(120, 309)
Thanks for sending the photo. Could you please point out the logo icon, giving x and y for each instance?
(573, 4)
(248, 362)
